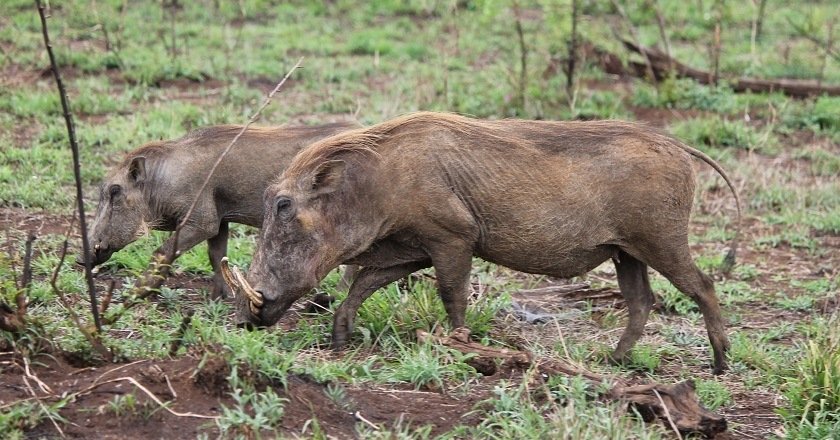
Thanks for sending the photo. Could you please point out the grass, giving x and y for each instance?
(813, 391)
(381, 59)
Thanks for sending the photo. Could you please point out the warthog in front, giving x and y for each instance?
(434, 190)
(154, 186)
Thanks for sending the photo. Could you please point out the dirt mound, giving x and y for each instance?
(108, 402)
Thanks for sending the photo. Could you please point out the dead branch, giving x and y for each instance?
(14, 321)
(677, 405)
(74, 147)
(661, 63)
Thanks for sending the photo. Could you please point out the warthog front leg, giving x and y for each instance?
(187, 239)
(216, 250)
(452, 268)
(368, 280)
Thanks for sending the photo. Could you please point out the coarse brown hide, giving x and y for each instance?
(434, 190)
(154, 185)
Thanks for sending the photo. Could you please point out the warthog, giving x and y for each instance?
(434, 190)
(154, 185)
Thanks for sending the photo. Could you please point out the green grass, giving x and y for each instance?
(714, 134)
(813, 392)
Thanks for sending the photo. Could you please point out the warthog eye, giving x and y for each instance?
(114, 190)
(284, 207)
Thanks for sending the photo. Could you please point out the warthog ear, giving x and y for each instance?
(137, 169)
(327, 177)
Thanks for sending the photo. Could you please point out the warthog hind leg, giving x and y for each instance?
(676, 265)
(635, 287)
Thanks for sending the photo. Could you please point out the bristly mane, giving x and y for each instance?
(199, 136)
(367, 140)
(149, 150)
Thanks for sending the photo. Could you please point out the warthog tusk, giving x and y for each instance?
(96, 247)
(239, 285)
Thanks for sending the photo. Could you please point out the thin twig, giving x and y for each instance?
(43, 408)
(663, 32)
(156, 399)
(171, 389)
(80, 201)
(224, 153)
(358, 416)
(159, 267)
(26, 371)
(668, 414)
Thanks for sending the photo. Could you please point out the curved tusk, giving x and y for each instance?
(239, 285)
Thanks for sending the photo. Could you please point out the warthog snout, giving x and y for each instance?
(99, 255)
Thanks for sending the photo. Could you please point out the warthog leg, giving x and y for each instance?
(216, 250)
(368, 280)
(635, 287)
(676, 265)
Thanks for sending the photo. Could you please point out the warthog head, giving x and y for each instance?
(120, 214)
(311, 225)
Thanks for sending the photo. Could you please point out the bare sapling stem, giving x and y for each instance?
(635, 35)
(716, 44)
(663, 30)
(759, 22)
(14, 321)
(74, 147)
(573, 52)
(523, 55)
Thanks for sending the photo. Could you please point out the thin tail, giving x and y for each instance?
(729, 259)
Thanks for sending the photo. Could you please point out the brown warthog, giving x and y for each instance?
(154, 185)
(429, 189)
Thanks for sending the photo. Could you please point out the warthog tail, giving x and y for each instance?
(729, 259)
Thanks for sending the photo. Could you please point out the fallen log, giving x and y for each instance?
(675, 405)
(663, 66)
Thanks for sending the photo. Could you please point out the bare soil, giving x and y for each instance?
(191, 390)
